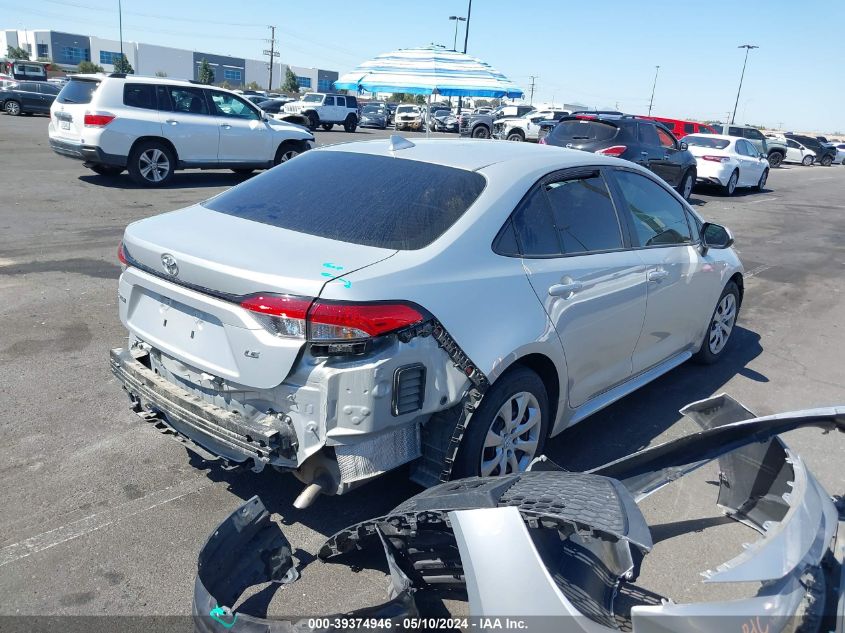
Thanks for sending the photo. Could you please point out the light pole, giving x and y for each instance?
(653, 86)
(457, 19)
(747, 48)
(120, 26)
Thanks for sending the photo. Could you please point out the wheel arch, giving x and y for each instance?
(740, 284)
(159, 139)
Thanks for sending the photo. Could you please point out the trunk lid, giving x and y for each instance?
(69, 108)
(194, 315)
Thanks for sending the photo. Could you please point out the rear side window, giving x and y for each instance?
(647, 134)
(659, 219)
(78, 91)
(351, 102)
(583, 130)
(370, 200)
(735, 131)
(689, 128)
(584, 215)
(188, 100)
(139, 96)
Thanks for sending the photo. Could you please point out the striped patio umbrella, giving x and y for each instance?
(429, 70)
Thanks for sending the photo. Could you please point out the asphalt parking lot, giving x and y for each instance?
(103, 515)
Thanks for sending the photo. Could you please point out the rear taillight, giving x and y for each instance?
(716, 159)
(97, 119)
(542, 140)
(291, 316)
(615, 150)
(121, 256)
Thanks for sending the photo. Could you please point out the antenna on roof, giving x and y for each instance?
(398, 142)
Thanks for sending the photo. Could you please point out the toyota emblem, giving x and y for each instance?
(169, 264)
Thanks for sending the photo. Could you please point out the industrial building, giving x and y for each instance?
(68, 49)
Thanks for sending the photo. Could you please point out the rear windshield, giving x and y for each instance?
(581, 130)
(703, 141)
(369, 200)
(78, 91)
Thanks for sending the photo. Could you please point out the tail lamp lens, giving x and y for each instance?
(716, 159)
(615, 150)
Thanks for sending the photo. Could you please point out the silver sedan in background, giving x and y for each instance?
(445, 303)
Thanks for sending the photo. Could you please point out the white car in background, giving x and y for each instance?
(152, 126)
(408, 117)
(840, 153)
(728, 162)
(797, 153)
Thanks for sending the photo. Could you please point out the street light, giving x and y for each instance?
(457, 19)
(747, 48)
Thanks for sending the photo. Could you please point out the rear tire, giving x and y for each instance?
(519, 387)
(762, 182)
(775, 159)
(730, 188)
(12, 107)
(721, 326)
(481, 132)
(151, 163)
(807, 161)
(106, 170)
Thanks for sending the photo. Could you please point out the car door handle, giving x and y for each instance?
(657, 275)
(644, 154)
(562, 290)
(666, 157)
(172, 121)
(226, 126)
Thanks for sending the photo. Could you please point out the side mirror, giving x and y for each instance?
(683, 146)
(762, 155)
(716, 236)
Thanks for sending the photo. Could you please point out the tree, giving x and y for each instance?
(122, 65)
(17, 52)
(225, 85)
(206, 74)
(291, 82)
(419, 99)
(398, 97)
(161, 73)
(253, 85)
(90, 68)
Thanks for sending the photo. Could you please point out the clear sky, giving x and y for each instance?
(600, 53)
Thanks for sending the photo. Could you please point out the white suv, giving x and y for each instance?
(326, 110)
(153, 126)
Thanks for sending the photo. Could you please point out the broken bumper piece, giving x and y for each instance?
(248, 549)
(563, 550)
(207, 430)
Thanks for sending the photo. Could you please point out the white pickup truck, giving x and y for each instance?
(526, 127)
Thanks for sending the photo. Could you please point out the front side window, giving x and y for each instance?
(188, 100)
(659, 219)
(229, 105)
(329, 101)
(757, 135)
(666, 139)
(584, 215)
(792, 144)
(312, 98)
(735, 131)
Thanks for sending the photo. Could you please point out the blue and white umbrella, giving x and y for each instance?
(429, 70)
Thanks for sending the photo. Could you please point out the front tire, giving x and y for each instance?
(313, 121)
(721, 326)
(350, 123)
(508, 429)
(286, 151)
(12, 107)
(516, 136)
(151, 164)
(826, 161)
(730, 188)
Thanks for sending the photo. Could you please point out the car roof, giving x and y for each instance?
(475, 154)
(724, 137)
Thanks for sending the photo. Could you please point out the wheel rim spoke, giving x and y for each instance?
(513, 437)
(493, 439)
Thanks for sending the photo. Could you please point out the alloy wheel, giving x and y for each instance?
(513, 437)
(154, 165)
(13, 108)
(287, 155)
(687, 191)
(723, 323)
(732, 183)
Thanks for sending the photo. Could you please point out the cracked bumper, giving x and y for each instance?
(205, 428)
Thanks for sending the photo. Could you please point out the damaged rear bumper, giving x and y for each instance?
(208, 430)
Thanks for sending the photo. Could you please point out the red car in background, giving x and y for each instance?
(681, 128)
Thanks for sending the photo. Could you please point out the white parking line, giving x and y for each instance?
(766, 199)
(59, 535)
(757, 270)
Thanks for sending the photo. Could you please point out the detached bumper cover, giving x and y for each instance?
(207, 427)
(248, 549)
